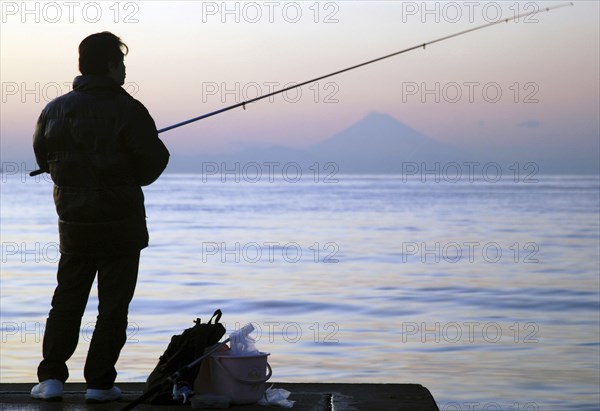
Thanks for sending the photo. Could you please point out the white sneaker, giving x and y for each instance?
(95, 396)
(48, 390)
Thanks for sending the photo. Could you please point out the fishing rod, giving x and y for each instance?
(423, 45)
(335, 73)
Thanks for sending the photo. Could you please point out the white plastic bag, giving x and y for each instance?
(276, 396)
(241, 343)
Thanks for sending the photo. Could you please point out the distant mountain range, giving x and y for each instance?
(379, 144)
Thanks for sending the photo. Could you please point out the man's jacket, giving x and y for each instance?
(99, 145)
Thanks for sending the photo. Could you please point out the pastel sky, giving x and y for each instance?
(522, 85)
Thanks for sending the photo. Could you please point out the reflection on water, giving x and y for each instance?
(482, 292)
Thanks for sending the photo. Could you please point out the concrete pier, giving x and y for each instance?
(308, 397)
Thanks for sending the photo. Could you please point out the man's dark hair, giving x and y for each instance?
(98, 50)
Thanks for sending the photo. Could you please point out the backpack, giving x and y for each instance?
(182, 350)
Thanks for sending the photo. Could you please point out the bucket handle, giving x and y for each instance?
(242, 380)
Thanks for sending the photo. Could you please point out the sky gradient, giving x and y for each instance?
(526, 85)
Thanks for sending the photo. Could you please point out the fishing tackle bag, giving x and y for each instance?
(183, 350)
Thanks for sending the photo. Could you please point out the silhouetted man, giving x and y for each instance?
(99, 145)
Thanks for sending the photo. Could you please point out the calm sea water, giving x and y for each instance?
(485, 292)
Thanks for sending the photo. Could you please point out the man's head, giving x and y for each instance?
(102, 54)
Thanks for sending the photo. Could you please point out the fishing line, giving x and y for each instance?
(335, 73)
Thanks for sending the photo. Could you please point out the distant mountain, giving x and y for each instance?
(380, 144)
(376, 144)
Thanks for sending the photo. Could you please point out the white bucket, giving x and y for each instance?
(240, 378)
